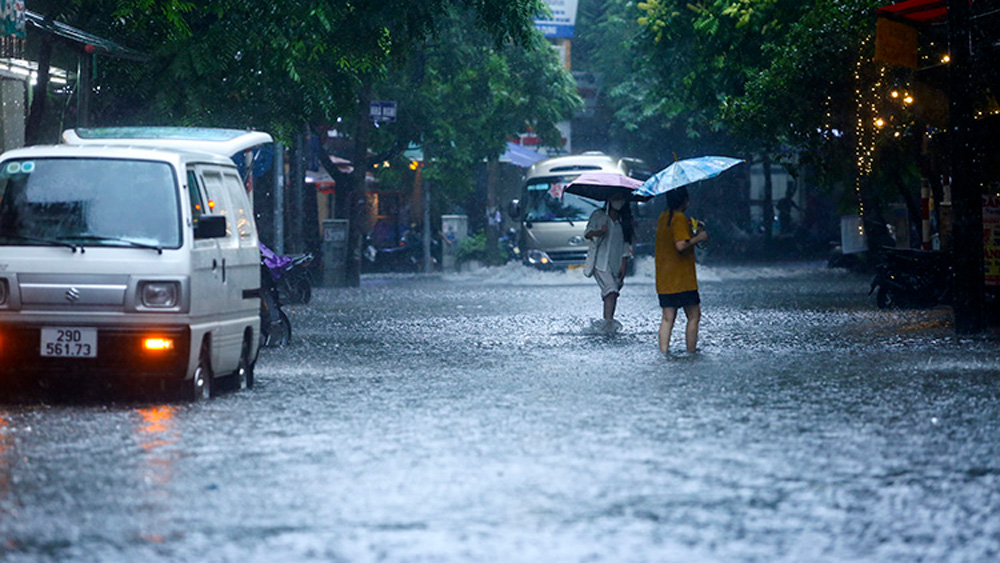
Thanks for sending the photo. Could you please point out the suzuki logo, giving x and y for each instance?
(72, 295)
(575, 241)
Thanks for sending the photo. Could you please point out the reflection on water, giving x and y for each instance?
(155, 437)
(5, 446)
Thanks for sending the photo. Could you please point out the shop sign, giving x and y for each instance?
(12, 12)
(562, 21)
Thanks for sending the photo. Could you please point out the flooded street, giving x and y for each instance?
(476, 417)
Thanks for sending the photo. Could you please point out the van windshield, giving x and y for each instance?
(547, 201)
(89, 202)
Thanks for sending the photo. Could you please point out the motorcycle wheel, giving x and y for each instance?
(298, 290)
(278, 332)
(884, 299)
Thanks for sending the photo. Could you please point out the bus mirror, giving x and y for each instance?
(514, 209)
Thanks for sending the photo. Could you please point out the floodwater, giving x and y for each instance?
(476, 417)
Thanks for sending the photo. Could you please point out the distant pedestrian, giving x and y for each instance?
(676, 281)
(785, 206)
(610, 232)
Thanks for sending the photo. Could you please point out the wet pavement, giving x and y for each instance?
(476, 417)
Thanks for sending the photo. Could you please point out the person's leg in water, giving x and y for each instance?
(610, 304)
(693, 314)
(666, 327)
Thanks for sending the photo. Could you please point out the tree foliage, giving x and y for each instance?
(744, 76)
(462, 96)
(270, 65)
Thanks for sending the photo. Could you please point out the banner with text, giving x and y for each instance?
(562, 21)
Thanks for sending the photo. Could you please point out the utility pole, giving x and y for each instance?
(279, 198)
(966, 161)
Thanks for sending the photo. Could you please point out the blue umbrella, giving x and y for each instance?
(684, 172)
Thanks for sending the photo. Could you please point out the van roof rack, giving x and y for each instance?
(224, 142)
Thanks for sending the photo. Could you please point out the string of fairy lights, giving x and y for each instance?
(868, 122)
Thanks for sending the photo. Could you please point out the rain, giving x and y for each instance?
(474, 417)
(450, 390)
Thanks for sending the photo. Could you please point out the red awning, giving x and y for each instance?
(916, 11)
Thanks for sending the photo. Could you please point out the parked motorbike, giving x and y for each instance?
(509, 246)
(295, 283)
(908, 278)
(275, 327)
(405, 256)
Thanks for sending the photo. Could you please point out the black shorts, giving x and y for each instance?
(680, 300)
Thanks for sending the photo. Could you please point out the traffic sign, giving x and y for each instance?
(382, 111)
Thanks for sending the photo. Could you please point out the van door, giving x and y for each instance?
(243, 263)
(206, 257)
(228, 322)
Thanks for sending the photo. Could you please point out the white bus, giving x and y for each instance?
(552, 221)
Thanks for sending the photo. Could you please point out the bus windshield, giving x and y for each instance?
(547, 201)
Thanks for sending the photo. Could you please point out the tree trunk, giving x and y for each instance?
(36, 115)
(768, 203)
(967, 196)
(84, 90)
(492, 211)
(298, 187)
(356, 201)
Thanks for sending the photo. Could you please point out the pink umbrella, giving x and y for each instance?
(603, 185)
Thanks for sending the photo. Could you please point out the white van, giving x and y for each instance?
(552, 221)
(129, 255)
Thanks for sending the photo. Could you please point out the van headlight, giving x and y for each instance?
(159, 295)
(4, 291)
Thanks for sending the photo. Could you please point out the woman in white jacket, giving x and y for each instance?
(609, 231)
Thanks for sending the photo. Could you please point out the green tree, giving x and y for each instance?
(462, 96)
(277, 65)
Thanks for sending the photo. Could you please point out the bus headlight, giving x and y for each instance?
(159, 295)
(538, 258)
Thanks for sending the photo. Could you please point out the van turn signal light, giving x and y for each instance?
(157, 344)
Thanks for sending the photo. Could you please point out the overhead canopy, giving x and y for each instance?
(68, 32)
(916, 11)
(521, 156)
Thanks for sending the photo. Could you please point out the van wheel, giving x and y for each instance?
(200, 386)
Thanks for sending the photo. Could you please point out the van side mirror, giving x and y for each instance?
(514, 209)
(210, 226)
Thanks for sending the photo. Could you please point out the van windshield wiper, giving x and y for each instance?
(45, 241)
(125, 241)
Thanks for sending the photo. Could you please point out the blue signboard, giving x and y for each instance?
(562, 21)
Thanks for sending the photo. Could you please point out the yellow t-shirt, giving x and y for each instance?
(674, 270)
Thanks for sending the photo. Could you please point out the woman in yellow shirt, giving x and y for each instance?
(676, 282)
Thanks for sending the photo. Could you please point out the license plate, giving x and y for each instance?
(69, 342)
(575, 267)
